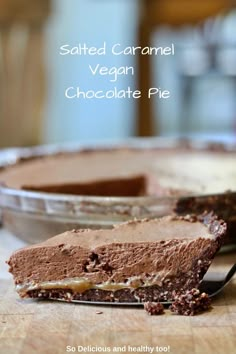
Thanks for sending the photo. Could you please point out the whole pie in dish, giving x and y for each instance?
(126, 172)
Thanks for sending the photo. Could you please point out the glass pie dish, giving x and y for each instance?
(35, 216)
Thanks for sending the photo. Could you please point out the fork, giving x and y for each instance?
(214, 283)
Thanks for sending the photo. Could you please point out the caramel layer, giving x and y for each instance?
(79, 285)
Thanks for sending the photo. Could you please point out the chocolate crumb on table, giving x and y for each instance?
(154, 308)
(99, 312)
(190, 303)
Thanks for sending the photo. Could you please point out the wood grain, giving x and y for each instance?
(45, 327)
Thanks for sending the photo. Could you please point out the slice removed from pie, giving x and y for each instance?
(139, 261)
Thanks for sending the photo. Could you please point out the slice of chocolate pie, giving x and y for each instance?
(142, 260)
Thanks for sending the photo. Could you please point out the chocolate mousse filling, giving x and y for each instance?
(132, 186)
(138, 261)
(118, 187)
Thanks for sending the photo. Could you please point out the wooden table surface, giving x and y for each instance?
(49, 327)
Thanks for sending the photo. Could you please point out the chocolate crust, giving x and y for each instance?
(222, 205)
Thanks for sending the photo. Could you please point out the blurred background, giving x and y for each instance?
(33, 75)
